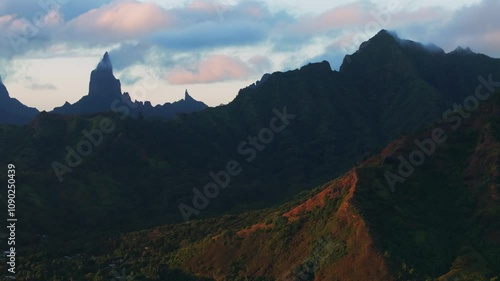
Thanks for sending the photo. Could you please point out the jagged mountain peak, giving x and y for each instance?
(105, 92)
(319, 66)
(383, 37)
(102, 81)
(262, 80)
(461, 50)
(187, 97)
(105, 63)
(13, 111)
(387, 46)
(383, 33)
(391, 37)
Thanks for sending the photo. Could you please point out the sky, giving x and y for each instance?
(212, 48)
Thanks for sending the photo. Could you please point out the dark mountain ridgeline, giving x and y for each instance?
(105, 95)
(13, 111)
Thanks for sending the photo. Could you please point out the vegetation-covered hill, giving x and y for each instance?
(441, 223)
(141, 170)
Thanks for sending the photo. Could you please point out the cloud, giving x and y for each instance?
(128, 54)
(211, 35)
(300, 31)
(50, 19)
(475, 26)
(129, 78)
(492, 39)
(28, 9)
(72, 9)
(198, 11)
(216, 68)
(261, 63)
(120, 20)
(6, 19)
(132, 25)
(41, 86)
(21, 35)
(343, 16)
(351, 19)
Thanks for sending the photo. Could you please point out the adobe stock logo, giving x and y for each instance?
(84, 148)
(454, 117)
(250, 148)
(93, 138)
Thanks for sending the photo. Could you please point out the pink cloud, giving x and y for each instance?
(126, 19)
(350, 14)
(216, 68)
(344, 16)
(254, 10)
(492, 38)
(14, 26)
(52, 18)
(348, 42)
(366, 16)
(202, 5)
(4, 20)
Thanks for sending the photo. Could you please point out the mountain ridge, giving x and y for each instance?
(105, 95)
(12, 111)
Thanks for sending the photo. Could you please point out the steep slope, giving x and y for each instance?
(443, 219)
(12, 111)
(104, 89)
(105, 96)
(424, 80)
(332, 242)
(441, 223)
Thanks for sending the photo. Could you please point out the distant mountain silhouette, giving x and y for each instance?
(13, 111)
(105, 95)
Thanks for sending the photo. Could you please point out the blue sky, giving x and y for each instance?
(210, 47)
